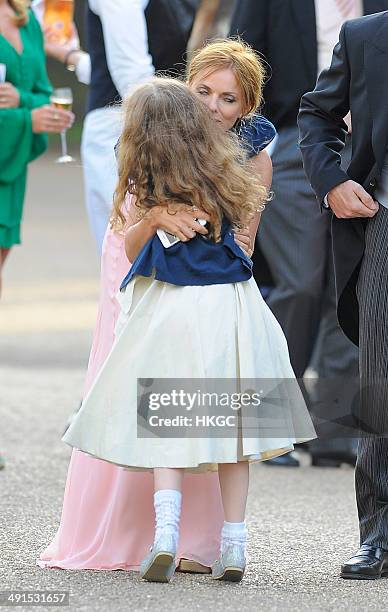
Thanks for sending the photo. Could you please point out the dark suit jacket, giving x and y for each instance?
(357, 80)
(284, 32)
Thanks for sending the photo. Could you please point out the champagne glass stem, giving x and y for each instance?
(64, 143)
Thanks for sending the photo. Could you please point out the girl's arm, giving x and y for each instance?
(174, 219)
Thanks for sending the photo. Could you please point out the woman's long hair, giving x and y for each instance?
(172, 151)
(21, 11)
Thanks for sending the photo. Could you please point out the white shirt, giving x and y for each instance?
(329, 21)
(126, 42)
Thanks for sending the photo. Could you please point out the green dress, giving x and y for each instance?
(18, 145)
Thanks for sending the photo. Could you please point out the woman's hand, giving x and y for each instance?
(50, 119)
(9, 96)
(178, 220)
(243, 238)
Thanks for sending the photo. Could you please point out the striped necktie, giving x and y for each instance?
(346, 8)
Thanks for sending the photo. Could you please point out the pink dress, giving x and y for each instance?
(108, 516)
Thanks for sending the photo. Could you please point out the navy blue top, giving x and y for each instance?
(255, 133)
(201, 261)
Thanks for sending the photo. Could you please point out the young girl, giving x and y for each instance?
(107, 518)
(190, 311)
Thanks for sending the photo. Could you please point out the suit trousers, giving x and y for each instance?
(295, 238)
(372, 462)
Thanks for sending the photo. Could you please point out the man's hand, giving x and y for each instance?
(349, 200)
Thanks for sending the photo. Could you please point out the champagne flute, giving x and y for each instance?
(63, 98)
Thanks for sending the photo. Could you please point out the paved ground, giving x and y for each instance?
(302, 522)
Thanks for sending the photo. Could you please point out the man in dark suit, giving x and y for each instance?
(296, 37)
(358, 81)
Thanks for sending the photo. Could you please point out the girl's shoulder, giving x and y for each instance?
(256, 133)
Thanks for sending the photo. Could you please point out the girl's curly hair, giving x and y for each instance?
(172, 151)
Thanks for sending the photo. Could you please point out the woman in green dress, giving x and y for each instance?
(25, 114)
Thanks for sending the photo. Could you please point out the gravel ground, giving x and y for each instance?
(302, 523)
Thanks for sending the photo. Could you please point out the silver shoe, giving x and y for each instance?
(231, 564)
(159, 564)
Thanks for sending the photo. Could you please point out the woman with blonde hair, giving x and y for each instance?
(173, 157)
(25, 116)
(108, 515)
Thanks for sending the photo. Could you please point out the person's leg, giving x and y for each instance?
(159, 565)
(293, 236)
(234, 484)
(332, 393)
(168, 478)
(335, 360)
(371, 561)
(372, 463)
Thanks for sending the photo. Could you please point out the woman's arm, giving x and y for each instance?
(262, 167)
(174, 219)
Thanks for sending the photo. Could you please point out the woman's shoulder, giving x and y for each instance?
(33, 24)
(256, 133)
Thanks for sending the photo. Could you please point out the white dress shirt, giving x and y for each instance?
(329, 21)
(126, 42)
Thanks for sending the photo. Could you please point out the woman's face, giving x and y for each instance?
(221, 93)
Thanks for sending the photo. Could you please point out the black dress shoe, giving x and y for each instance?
(288, 460)
(332, 459)
(369, 563)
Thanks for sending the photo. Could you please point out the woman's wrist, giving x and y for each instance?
(152, 218)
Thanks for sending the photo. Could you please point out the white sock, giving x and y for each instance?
(167, 504)
(234, 533)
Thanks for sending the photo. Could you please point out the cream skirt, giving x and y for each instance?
(202, 335)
